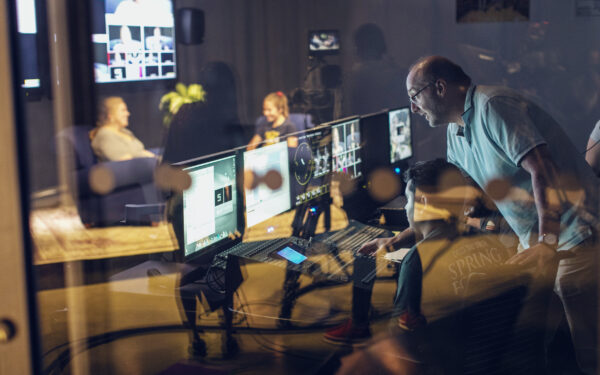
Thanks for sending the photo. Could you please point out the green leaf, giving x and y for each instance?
(168, 117)
(196, 92)
(175, 104)
(173, 100)
(181, 89)
(164, 101)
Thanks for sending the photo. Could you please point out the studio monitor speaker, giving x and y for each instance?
(190, 26)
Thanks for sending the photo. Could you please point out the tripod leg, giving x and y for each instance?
(197, 346)
(290, 294)
(233, 279)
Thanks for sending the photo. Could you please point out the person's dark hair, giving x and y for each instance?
(434, 176)
(219, 82)
(369, 41)
(436, 67)
(446, 186)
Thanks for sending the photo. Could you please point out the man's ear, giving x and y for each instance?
(423, 200)
(441, 87)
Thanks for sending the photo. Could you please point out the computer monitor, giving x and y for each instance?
(133, 41)
(262, 202)
(400, 135)
(345, 146)
(210, 205)
(310, 165)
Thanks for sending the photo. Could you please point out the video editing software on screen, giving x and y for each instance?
(400, 137)
(210, 204)
(262, 202)
(345, 138)
(310, 165)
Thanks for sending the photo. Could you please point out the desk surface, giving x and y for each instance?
(59, 235)
(281, 225)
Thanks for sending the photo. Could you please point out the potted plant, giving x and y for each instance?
(172, 101)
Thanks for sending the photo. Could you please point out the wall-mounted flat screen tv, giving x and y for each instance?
(134, 40)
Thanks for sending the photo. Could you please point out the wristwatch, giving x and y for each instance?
(549, 239)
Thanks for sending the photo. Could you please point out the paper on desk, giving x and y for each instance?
(396, 256)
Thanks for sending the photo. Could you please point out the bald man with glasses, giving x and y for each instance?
(541, 184)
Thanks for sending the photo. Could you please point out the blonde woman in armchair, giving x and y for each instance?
(111, 140)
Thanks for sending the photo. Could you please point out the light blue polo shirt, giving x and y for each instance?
(501, 127)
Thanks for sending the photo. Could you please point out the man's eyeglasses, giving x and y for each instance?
(414, 97)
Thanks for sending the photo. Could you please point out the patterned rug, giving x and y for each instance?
(60, 236)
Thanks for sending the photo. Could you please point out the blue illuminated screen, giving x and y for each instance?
(291, 255)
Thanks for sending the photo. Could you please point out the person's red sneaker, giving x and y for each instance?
(348, 333)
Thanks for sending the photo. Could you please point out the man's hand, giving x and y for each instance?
(539, 256)
(372, 246)
(406, 238)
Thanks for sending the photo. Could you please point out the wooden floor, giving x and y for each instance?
(134, 326)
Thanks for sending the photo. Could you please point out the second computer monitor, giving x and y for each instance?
(310, 165)
(400, 135)
(267, 182)
(345, 146)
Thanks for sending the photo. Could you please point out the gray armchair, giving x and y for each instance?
(134, 181)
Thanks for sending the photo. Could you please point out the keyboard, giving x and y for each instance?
(349, 239)
(257, 250)
(352, 237)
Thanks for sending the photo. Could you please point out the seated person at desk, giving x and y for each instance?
(111, 141)
(276, 111)
(436, 274)
(436, 195)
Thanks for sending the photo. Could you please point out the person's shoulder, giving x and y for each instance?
(127, 131)
(102, 139)
(484, 94)
(261, 125)
(289, 125)
(103, 133)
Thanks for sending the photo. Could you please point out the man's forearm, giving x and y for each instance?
(548, 214)
(545, 186)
